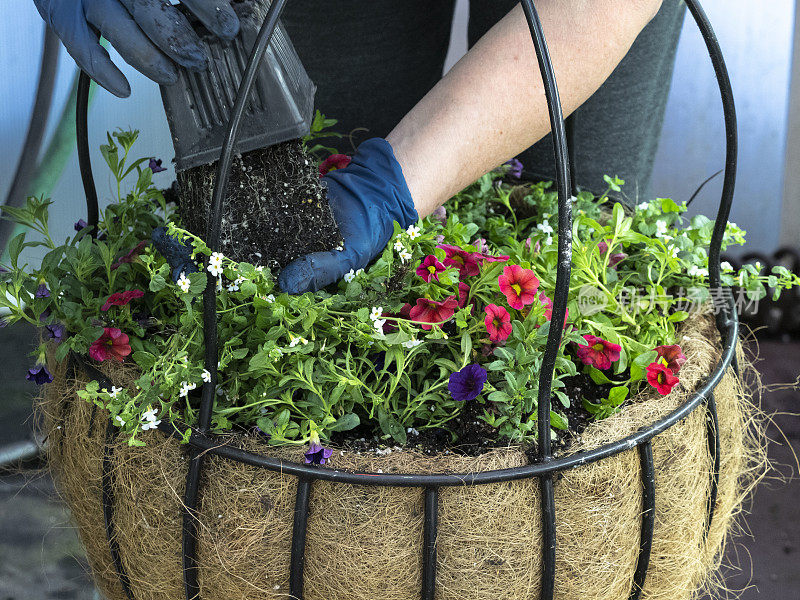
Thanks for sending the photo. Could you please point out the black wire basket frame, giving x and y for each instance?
(202, 442)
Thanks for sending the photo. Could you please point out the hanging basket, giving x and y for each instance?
(363, 542)
(638, 507)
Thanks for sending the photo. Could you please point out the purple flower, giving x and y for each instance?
(440, 214)
(514, 168)
(80, 224)
(155, 165)
(317, 454)
(467, 384)
(131, 255)
(42, 291)
(54, 331)
(39, 375)
(45, 315)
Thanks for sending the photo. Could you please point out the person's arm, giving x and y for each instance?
(491, 105)
(487, 109)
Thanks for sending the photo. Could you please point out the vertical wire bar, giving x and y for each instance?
(210, 298)
(429, 543)
(84, 158)
(560, 296)
(648, 518)
(714, 450)
(107, 482)
(299, 529)
(569, 125)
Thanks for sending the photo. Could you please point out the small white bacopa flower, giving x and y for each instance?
(215, 264)
(184, 283)
(206, 376)
(377, 312)
(119, 420)
(398, 245)
(411, 344)
(150, 419)
(413, 232)
(545, 227)
(378, 324)
(349, 276)
(186, 387)
(114, 391)
(296, 341)
(405, 255)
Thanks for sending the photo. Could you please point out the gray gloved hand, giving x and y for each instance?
(151, 35)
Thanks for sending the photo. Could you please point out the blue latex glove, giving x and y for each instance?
(148, 34)
(177, 255)
(366, 197)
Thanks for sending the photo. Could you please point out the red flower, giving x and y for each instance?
(671, 356)
(333, 162)
(482, 257)
(661, 378)
(131, 255)
(430, 268)
(113, 344)
(121, 298)
(548, 307)
(498, 323)
(598, 352)
(429, 311)
(519, 285)
(615, 258)
(467, 263)
(463, 294)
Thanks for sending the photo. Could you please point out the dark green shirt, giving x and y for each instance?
(373, 61)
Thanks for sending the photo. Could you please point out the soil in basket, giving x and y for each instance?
(474, 436)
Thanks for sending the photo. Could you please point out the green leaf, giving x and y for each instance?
(144, 359)
(557, 421)
(598, 376)
(678, 316)
(157, 283)
(197, 283)
(617, 395)
(346, 423)
(391, 426)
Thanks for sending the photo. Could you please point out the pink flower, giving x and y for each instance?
(333, 162)
(440, 215)
(113, 344)
(121, 298)
(598, 352)
(463, 294)
(519, 285)
(430, 268)
(429, 311)
(615, 258)
(671, 356)
(661, 378)
(548, 307)
(498, 323)
(131, 255)
(466, 262)
(482, 257)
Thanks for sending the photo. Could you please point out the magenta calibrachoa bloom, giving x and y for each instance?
(661, 377)
(614, 259)
(671, 356)
(598, 352)
(468, 383)
(121, 298)
(548, 307)
(519, 285)
(498, 323)
(429, 311)
(430, 268)
(112, 345)
(333, 162)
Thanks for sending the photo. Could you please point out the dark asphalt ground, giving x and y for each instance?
(41, 558)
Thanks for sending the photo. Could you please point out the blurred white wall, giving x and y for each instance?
(756, 38)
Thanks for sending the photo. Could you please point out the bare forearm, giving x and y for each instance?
(491, 105)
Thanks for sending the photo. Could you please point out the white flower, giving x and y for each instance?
(150, 419)
(643, 206)
(411, 344)
(233, 287)
(215, 264)
(219, 284)
(349, 276)
(270, 298)
(405, 255)
(413, 232)
(296, 340)
(184, 283)
(398, 245)
(378, 324)
(661, 227)
(119, 420)
(186, 387)
(377, 312)
(259, 268)
(114, 391)
(206, 376)
(726, 266)
(549, 240)
(674, 250)
(150, 425)
(695, 271)
(545, 227)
